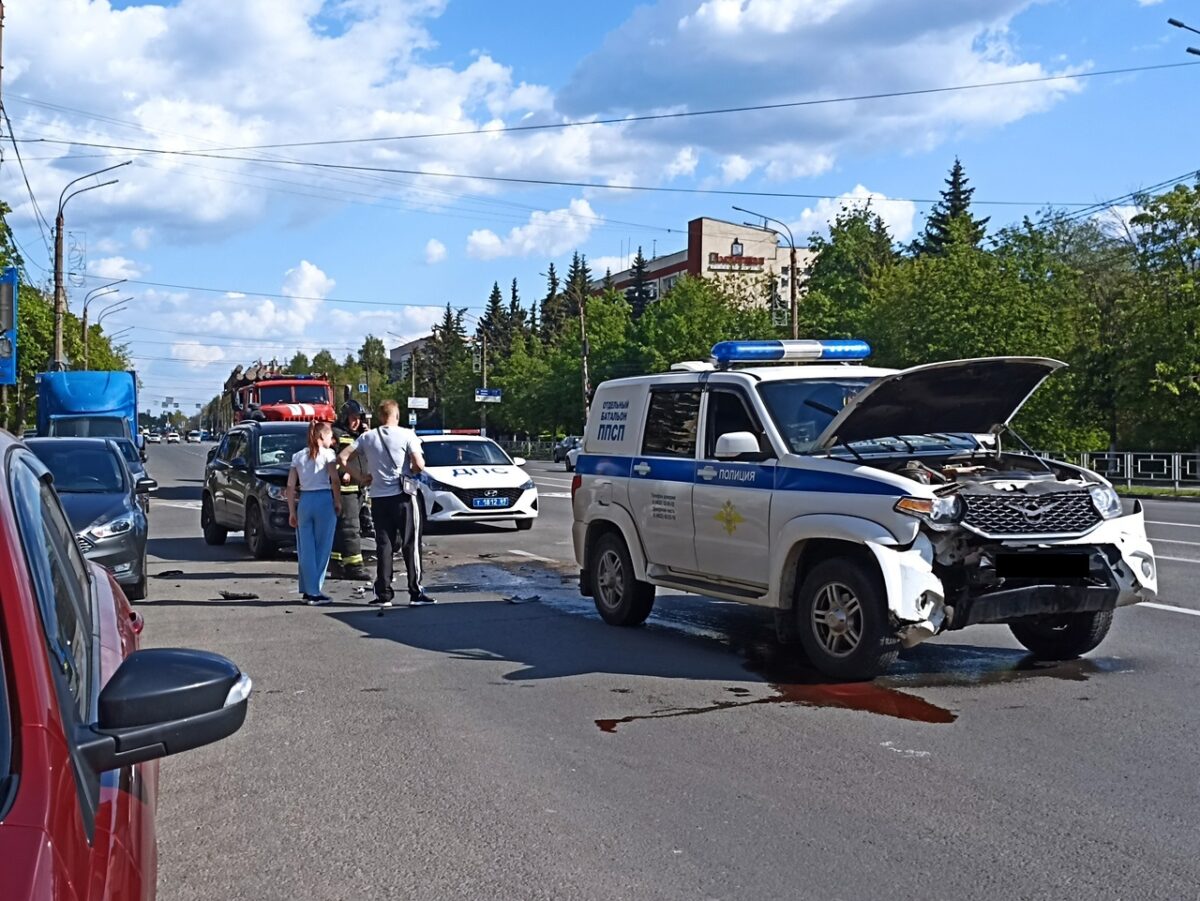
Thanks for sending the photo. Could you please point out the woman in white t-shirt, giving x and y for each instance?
(314, 478)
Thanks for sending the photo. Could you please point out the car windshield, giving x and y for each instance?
(464, 453)
(275, 394)
(803, 408)
(276, 448)
(311, 394)
(88, 427)
(82, 470)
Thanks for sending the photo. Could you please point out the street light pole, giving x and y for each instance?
(60, 298)
(792, 279)
(1185, 27)
(102, 291)
(114, 307)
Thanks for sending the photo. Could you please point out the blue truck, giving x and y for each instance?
(87, 405)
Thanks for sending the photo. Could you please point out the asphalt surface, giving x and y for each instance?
(505, 743)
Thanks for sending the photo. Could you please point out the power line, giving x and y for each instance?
(655, 117)
(39, 218)
(661, 189)
(1102, 205)
(246, 293)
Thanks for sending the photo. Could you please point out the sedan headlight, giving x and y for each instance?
(112, 528)
(528, 484)
(938, 512)
(277, 492)
(435, 485)
(1107, 501)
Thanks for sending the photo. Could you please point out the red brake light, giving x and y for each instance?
(576, 481)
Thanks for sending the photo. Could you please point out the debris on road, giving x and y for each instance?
(169, 574)
(239, 595)
(517, 599)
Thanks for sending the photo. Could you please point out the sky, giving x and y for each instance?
(233, 250)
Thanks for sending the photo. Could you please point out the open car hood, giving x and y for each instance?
(974, 396)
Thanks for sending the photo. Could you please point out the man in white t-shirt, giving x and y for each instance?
(393, 459)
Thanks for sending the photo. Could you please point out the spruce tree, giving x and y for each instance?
(553, 313)
(640, 290)
(516, 315)
(955, 204)
(578, 286)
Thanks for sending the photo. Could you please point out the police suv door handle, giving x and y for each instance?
(642, 468)
(707, 473)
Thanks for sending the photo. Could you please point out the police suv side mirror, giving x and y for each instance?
(518, 461)
(732, 445)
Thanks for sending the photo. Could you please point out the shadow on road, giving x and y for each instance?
(194, 550)
(685, 638)
(178, 493)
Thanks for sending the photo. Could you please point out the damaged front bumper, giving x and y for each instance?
(1121, 571)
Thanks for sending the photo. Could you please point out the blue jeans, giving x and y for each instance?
(315, 523)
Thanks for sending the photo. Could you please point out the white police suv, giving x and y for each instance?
(870, 508)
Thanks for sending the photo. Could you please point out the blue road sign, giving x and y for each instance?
(8, 326)
(487, 395)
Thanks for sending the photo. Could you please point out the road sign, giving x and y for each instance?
(8, 326)
(487, 395)
(362, 387)
(418, 403)
(412, 419)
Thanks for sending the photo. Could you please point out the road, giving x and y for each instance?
(505, 743)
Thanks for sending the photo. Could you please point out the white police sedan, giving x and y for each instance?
(468, 478)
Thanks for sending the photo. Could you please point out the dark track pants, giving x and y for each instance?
(396, 523)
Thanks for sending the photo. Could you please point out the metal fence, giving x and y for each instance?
(529, 449)
(1139, 467)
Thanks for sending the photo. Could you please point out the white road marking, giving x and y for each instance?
(183, 505)
(1169, 608)
(1185, 525)
(557, 494)
(565, 482)
(1176, 559)
(1174, 541)
(534, 556)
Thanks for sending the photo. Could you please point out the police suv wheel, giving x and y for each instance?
(842, 621)
(620, 599)
(1062, 637)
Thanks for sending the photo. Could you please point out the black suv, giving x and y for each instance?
(244, 481)
(565, 445)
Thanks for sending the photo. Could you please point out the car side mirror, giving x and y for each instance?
(518, 461)
(239, 463)
(212, 452)
(146, 486)
(732, 445)
(162, 701)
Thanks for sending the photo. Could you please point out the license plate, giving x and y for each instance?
(1042, 566)
(484, 502)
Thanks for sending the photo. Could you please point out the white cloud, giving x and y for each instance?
(614, 264)
(197, 355)
(141, 237)
(546, 234)
(435, 251)
(735, 168)
(898, 215)
(685, 163)
(114, 268)
(1149, 2)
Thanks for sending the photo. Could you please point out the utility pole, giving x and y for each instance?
(483, 406)
(583, 356)
(792, 276)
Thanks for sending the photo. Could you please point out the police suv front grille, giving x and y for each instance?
(1061, 513)
(468, 495)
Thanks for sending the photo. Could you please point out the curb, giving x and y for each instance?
(1185, 498)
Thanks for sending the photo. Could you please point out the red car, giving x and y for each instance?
(84, 714)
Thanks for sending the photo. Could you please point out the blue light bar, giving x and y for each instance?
(808, 350)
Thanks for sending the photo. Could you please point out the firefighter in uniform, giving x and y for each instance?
(346, 562)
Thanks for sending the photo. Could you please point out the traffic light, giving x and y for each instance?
(780, 314)
(477, 358)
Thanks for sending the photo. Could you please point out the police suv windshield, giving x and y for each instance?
(463, 453)
(803, 408)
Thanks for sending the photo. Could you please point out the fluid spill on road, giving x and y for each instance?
(863, 696)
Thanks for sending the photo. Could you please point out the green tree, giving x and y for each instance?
(553, 309)
(299, 364)
(840, 277)
(955, 206)
(640, 290)
(373, 356)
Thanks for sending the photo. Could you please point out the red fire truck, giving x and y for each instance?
(263, 392)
